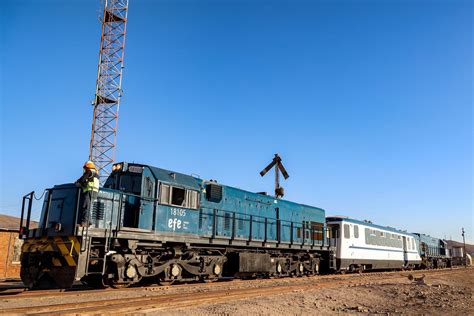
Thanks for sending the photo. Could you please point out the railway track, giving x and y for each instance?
(193, 294)
(22, 292)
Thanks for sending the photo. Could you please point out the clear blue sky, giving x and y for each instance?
(368, 102)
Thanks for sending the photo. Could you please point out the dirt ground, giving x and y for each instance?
(439, 294)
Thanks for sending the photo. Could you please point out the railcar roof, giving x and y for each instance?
(347, 219)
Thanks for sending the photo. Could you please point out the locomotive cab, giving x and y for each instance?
(52, 254)
(140, 185)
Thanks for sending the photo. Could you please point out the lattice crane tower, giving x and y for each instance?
(109, 86)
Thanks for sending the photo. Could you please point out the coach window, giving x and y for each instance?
(356, 231)
(347, 234)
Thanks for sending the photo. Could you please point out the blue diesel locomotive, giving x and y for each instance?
(161, 226)
(434, 252)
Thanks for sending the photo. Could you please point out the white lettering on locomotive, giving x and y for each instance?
(177, 212)
(174, 223)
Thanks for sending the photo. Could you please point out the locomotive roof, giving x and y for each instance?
(189, 181)
(177, 178)
(428, 238)
(347, 219)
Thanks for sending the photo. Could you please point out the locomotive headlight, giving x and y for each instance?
(117, 167)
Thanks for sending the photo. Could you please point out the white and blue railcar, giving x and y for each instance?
(364, 246)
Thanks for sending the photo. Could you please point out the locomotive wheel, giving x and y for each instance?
(315, 268)
(95, 281)
(165, 283)
(216, 273)
(209, 279)
(170, 275)
(120, 285)
(116, 285)
(278, 270)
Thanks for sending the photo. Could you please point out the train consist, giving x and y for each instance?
(158, 226)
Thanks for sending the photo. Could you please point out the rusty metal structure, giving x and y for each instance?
(109, 86)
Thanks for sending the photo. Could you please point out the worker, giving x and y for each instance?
(89, 182)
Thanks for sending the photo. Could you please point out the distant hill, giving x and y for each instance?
(12, 223)
(452, 243)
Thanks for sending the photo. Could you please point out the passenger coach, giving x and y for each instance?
(362, 246)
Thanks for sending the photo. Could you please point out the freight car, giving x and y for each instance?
(156, 225)
(433, 251)
(361, 245)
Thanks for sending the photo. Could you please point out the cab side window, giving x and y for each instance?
(192, 199)
(176, 196)
(148, 190)
(164, 194)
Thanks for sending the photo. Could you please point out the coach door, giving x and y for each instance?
(405, 253)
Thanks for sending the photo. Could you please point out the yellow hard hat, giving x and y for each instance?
(89, 165)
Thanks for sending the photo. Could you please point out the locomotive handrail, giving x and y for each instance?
(24, 230)
(227, 224)
(218, 214)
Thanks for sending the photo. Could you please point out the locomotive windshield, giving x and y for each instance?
(131, 183)
(128, 182)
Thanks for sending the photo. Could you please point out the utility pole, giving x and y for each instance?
(108, 86)
(464, 243)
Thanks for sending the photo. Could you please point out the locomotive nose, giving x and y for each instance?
(49, 262)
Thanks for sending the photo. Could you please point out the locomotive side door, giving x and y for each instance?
(405, 253)
(147, 203)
